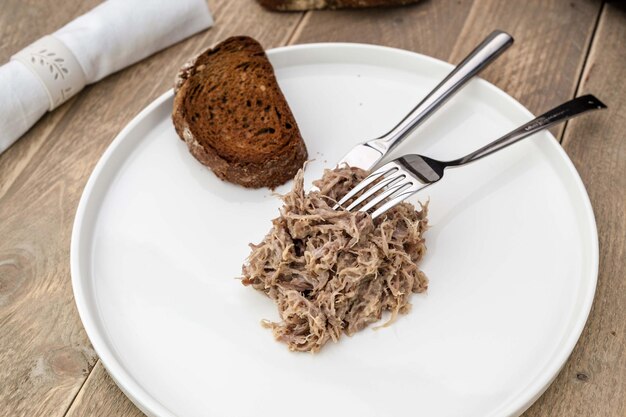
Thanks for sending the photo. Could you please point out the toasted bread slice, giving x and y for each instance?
(233, 116)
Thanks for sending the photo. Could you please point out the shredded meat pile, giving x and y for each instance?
(333, 271)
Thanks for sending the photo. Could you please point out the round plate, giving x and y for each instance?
(158, 243)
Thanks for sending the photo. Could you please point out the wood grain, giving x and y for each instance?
(24, 21)
(593, 382)
(45, 355)
(552, 38)
(416, 27)
(540, 70)
(102, 398)
(43, 365)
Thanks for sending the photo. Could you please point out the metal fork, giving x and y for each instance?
(368, 154)
(404, 176)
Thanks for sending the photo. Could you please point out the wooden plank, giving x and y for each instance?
(102, 398)
(552, 38)
(45, 355)
(540, 70)
(593, 382)
(22, 24)
(47, 377)
(417, 27)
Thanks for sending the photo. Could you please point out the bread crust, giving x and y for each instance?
(301, 5)
(231, 113)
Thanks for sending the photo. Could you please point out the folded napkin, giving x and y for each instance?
(115, 34)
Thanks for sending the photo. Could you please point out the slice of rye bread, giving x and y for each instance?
(233, 116)
(300, 5)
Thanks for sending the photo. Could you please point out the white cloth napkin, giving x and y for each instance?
(113, 35)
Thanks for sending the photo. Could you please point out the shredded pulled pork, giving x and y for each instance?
(334, 271)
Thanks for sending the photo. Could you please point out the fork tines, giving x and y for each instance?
(390, 182)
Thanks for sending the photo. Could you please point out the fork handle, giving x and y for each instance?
(557, 115)
(478, 59)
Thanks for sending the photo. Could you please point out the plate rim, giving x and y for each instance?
(151, 405)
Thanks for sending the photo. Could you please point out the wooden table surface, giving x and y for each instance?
(563, 48)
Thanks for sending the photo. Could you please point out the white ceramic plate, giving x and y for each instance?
(512, 259)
